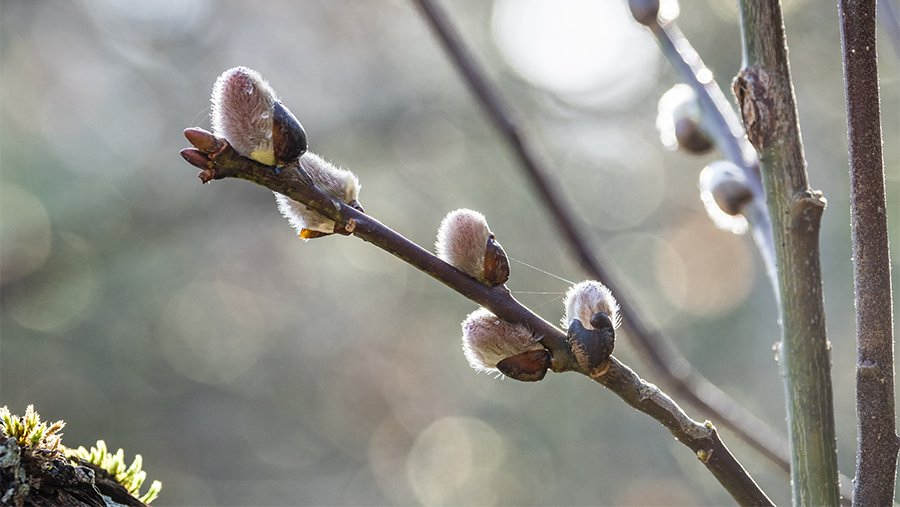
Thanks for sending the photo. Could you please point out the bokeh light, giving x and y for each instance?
(590, 53)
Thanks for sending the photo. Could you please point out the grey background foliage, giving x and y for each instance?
(188, 324)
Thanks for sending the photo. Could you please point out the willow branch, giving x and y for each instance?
(722, 124)
(765, 95)
(218, 160)
(876, 433)
(666, 361)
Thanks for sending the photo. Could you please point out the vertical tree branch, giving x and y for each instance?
(877, 443)
(674, 368)
(766, 98)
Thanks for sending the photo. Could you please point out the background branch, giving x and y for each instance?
(703, 439)
(666, 361)
(722, 124)
(877, 444)
(766, 98)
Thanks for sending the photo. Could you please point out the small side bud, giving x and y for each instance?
(585, 299)
(246, 112)
(465, 241)
(644, 11)
(341, 184)
(492, 344)
(195, 157)
(725, 191)
(679, 121)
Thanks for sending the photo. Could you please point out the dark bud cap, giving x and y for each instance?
(288, 136)
(592, 347)
(356, 205)
(691, 138)
(530, 366)
(496, 263)
(601, 321)
(644, 11)
(732, 196)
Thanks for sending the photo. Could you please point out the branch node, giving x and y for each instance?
(752, 88)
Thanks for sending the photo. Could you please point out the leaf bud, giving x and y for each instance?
(725, 191)
(340, 184)
(679, 121)
(246, 112)
(465, 241)
(492, 344)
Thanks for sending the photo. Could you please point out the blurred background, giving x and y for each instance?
(187, 323)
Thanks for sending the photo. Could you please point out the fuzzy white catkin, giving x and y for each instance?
(340, 184)
(488, 339)
(242, 113)
(462, 241)
(722, 181)
(586, 298)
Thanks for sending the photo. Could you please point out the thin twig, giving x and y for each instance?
(876, 433)
(765, 95)
(219, 160)
(722, 124)
(675, 369)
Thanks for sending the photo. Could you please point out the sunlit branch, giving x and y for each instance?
(218, 160)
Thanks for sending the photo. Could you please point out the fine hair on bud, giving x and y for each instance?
(340, 184)
(725, 192)
(462, 241)
(246, 112)
(488, 339)
(679, 122)
(242, 112)
(586, 298)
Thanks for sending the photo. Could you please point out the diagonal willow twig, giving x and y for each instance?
(219, 160)
(675, 369)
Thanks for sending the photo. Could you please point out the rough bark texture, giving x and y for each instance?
(877, 444)
(766, 99)
(43, 478)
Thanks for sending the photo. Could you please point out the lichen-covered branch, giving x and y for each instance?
(218, 160)
(666, 361)
(876, 434)
(766, 100)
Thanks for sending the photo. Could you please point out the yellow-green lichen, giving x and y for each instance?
(131, 477)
